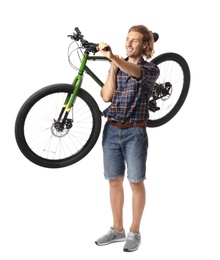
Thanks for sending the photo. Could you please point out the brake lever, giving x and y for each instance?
(71, 36)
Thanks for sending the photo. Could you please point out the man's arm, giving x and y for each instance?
(107, 90)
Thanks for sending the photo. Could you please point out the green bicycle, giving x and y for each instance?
(58, 125)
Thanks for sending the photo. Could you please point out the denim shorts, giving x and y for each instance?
(125, 148)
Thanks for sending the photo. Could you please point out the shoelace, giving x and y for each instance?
(132, 236)
(109, 232)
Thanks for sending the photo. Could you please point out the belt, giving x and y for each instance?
(127, 125)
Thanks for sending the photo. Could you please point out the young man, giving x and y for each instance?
(128, 87)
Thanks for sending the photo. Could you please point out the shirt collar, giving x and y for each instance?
(141, 61)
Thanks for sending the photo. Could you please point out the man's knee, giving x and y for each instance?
(114, 183)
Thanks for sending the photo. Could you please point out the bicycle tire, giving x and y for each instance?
(34, 124)
(173, 67)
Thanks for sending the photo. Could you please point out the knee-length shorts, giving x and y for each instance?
(125, 148)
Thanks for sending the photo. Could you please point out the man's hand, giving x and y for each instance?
(105, 49)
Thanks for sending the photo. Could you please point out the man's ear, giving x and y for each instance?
(145, 45)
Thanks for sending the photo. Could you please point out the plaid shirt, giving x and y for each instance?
(131, 97)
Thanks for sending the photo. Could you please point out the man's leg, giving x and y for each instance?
(138, 204)
(117, 202)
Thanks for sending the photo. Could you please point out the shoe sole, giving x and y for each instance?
(113, 241)
(131, 250)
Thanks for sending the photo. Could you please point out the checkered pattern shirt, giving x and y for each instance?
(131, 96)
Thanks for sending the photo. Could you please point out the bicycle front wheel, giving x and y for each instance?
(45, 144)
(170, 90)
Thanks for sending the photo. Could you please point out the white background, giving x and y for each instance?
(58, 213)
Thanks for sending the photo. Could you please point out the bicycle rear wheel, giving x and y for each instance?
(46, 145)
(170, 90)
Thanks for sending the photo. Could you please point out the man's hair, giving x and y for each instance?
(147, 37)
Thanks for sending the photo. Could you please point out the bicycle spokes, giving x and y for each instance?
(55, 134)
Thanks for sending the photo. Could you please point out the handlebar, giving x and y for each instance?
(91, 47)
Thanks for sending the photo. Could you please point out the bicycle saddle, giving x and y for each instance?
(156, 36)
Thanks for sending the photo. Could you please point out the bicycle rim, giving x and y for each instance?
(38, 138)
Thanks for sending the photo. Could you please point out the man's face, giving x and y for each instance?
(134, 44)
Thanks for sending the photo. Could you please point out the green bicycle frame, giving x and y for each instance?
(77, 82)
(92, 74)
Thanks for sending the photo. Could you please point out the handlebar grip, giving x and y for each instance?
(107, 48)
